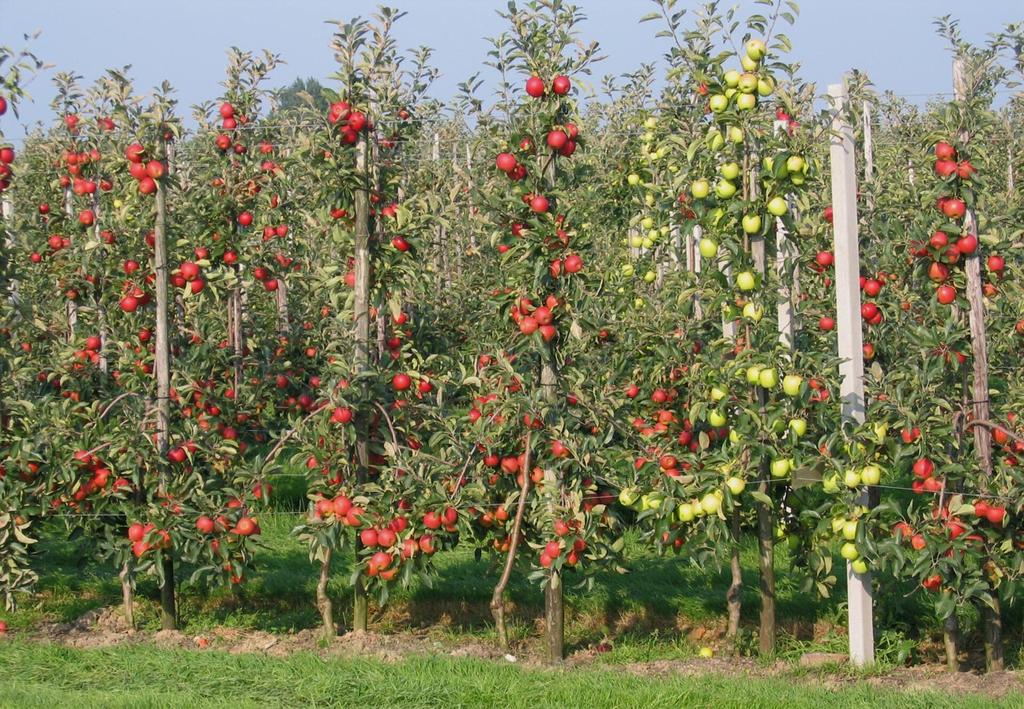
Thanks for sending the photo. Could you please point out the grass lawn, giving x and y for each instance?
(145, 676)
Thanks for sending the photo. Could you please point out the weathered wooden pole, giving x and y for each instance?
(168, 612)
(991, 613)
(554, 596)
(361, 355)
(765, 512)
(72, 306)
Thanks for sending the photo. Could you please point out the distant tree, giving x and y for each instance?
(299, 92)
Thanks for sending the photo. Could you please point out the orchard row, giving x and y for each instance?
(599, 316)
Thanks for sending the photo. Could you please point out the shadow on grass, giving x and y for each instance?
(661, 604)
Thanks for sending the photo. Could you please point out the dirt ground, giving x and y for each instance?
(106, 627)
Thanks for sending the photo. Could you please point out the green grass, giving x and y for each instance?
(144, 676)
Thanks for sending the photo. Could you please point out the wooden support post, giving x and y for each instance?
(869, 154)
(787, 271)
(439, 260)
(361, 357)
(283, 324)
(72, 306)
(469, 186)
(851, 352)
(459, 243)
(554, 593)
(991, 616)
(168, 611)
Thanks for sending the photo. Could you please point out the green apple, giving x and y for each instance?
(850, 529)
(718, 103)
(729, 170)
(706, 653)
(765, 86)
(700, 189)
(729, 93)
(717, 393)
(736, 485)
(734, 436)
(732, 78)
(849, 551)
(647, 222)
(717, 418)
(746, 281)
(708, 248)
(752, 223)
(859, 566)
(756, 49)
(797, 178)
(746, 102)
(748, 64)
(628, 496)
(735, 134)
(852, 478)
(768, 378)
(715, 139)
(685, 512)
(633, 179)
(795, 163)
(636, 241)
(748, 83)
(830, 484)
(753, 373)
(781, 467)
(647, 242)
(798, 427)
(628, 270)
(649, 199)
(791, 384)
(711, 504)
(724, 189)
(871, 475)
(651, 123)
(650, 276)
(837, 524)
(777, 206)
(753, 312)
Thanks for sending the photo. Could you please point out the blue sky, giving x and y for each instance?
(184, 42)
